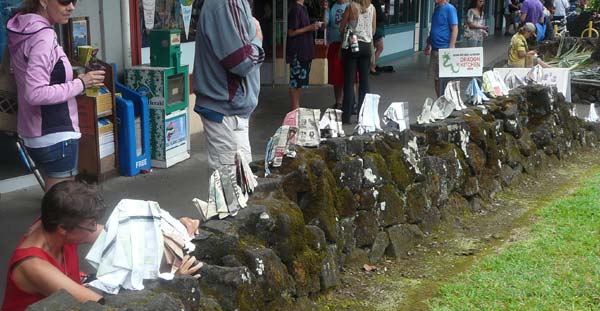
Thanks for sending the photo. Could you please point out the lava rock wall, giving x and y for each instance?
(357, 199)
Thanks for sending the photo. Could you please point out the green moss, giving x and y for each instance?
(379, 164)
(247, 300)
(400, 173)
(345, 203)
(394, 206)
(307, 266)
(440, 150)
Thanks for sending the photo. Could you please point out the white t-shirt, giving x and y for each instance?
(560, 7)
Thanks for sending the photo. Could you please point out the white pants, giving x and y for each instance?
(225, 139)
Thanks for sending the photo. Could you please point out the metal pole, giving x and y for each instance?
(274, 41)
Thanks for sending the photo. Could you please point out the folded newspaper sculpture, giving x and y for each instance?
(396, 116)
(535, 75)
(368, 116)
(474, 94)
(279, 146)
(306, 121)
(512, 81)
(425, 116)
(452, 93)
(331, 124)
(229, 189)
(493, 85)
(131, 246)
(592, 115)
(443, 107)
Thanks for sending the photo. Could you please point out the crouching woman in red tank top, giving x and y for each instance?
(46, 259)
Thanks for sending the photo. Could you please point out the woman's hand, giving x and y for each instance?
(187, 267)
(92, 78)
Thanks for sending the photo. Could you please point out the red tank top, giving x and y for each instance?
(17, 300)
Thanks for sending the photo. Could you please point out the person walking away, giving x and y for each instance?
(361, 18)
(226, 80)
(510, 9)
(47, 119)
(379, 32)
(475, 28)
(560, 9)
(443, 33)
(532, 11)
(300, 49)
(335, 70)
(519, 49)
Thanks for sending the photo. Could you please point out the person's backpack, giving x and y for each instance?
(541, 31)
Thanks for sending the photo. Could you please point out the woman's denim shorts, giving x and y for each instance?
(58, 160)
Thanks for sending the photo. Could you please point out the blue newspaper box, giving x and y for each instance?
(133, 125)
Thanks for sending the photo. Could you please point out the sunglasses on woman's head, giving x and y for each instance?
(67, 2)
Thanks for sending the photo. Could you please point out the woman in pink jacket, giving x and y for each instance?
(47, 120)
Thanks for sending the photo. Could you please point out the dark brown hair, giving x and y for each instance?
(68, 203)
(29, 6)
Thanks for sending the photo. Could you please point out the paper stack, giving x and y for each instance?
(106, 139)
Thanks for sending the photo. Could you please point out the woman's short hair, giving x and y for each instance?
(528, 27)
(68, 203)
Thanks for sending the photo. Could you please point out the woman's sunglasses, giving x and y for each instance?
(67, 2)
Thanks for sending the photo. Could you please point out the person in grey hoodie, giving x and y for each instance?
(47, 119)
(226, 78)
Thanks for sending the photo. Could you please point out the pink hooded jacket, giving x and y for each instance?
(44, 76)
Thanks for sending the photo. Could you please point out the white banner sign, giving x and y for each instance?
(559, 77)
(186, 13)
(462, 62)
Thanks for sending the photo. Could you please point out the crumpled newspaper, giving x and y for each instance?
(396, 116)
(368, 117)
(493, 85)
(474, 93)
(452, 93)
(331, 124)
(307, 122)
(439, 109)
(535, 75)
(512, 81)
(592, 115)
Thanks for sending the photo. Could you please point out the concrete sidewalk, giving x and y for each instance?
(174, 188)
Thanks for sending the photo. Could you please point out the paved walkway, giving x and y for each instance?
(175, 187)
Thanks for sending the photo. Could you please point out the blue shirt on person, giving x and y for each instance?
(444, 16)
(334, 18)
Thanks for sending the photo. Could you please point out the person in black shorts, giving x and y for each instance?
(300, 49)
(379, 31)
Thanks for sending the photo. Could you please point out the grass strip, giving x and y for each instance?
(557, 267)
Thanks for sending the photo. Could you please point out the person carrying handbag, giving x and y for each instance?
(359, 18)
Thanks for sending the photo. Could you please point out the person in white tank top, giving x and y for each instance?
(360, 17)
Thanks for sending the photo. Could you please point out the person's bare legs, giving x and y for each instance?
(437, 87)
(295, 98)
(338, 92)
(378, 51)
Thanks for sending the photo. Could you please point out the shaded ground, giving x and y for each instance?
(456, 246)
